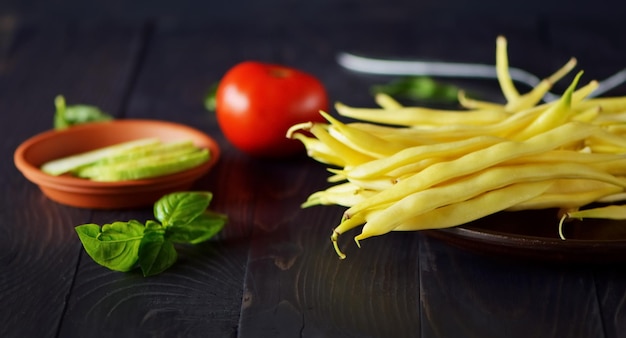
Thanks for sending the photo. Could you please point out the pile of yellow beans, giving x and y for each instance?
(400, 168)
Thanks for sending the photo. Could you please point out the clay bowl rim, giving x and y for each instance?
(69, 183)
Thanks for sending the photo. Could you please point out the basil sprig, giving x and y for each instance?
(66, 116)
(210, 99)
(181, 217)
(419, 88)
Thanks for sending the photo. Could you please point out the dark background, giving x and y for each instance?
(596, 28)
(321, 10)
(272, 272)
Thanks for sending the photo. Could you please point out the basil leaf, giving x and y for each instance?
(152, 226)
(121, 246)
(67, 116)
(156, 254)
(210, 100)
(115, 245)
(181, 207)
(199, 230)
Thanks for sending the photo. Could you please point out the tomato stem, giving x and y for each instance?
(279, 72)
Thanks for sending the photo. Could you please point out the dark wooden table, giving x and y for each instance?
(272, 272)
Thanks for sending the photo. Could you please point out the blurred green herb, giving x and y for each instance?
(418, 88)
(210, 101)
(67, 116)
(181, 217)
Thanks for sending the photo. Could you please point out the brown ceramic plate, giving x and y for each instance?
(534, 235)
(77, 192)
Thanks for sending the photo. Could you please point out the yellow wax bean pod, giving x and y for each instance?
(617, 212)
(339, 175)
(414, 154)
(557, 114)
(345, 194)
(610, 105)
(387, 102)
(319, 151)
(599, 147)
(350, 155)
(408, 170)
(363, 142)
(314, 147)
(331, 146)
(567, 156)
(316, 198)
(580, 95)
(298, 127)
(606, 212)
(478, 207)
(420, 136)
(563, 200)
(575, 186)
(615, 167)
(469, 103)
(502, 70)
(533, 97)
(476, 161)
(589, 115)
(336, 177)
(529, 99)
(612, 198)
(390, 178)
(608, 119)
(563, 71)
(606, 138)
(474, 185)
(343, 199)
(369, 145)
(410, 136)
(569, 193)
(346, 225)
(417, 116)
(616, 129)
(343, 187)
(377, 184)
(576, 97)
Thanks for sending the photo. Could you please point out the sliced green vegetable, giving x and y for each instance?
(144, 158)
(146, 167)
(67, 164)
(147, 150)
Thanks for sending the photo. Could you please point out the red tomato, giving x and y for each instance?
(257, 102)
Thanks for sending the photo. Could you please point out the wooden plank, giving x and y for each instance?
(273, 264)
(40, 250)
(295, 284)
(202, 294)
(468, 294)
(611, 291)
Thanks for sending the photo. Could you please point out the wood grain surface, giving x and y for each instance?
(272, 272)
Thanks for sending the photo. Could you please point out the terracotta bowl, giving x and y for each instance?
(78, 192)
